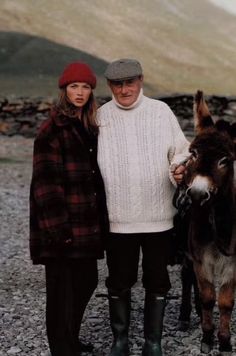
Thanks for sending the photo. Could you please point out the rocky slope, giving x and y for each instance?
(183, 45)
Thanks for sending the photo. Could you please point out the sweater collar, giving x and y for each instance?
(134, 105)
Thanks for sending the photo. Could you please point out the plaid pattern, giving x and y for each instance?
(68, 216)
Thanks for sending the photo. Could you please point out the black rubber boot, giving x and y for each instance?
(119, 308)
(153, 324)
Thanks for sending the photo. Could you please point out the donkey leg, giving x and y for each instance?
(186, 307)
(208, 299)
(226, 303)
(197, 300)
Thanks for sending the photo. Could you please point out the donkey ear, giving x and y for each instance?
(202, 116)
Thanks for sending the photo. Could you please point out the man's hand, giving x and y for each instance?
(178, 173)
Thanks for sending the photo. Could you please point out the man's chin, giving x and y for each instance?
(126, 101)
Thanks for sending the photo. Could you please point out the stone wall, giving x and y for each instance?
(24, 116)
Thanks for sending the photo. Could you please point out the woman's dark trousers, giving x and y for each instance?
(69, 287)
(123, 252)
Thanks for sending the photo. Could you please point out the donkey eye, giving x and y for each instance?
(194, 154)
(223, 162)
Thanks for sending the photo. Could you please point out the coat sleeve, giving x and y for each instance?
(47, 190)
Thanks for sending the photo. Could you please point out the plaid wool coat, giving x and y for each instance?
(68, 215)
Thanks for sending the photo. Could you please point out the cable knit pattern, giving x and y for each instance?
(136, 147)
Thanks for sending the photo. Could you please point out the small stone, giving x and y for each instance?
(13, 350)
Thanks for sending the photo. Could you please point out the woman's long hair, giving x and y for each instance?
(88, 113)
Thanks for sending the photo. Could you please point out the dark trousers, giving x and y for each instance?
(123, 252)
(69, 287)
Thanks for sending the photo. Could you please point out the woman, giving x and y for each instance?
(68, 218)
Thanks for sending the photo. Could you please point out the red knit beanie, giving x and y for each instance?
(77, 72)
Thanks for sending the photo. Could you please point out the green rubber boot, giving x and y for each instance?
(153, 324)
(119, 308)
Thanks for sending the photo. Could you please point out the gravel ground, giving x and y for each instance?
(22, 286)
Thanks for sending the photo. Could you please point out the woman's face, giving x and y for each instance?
(78, 93)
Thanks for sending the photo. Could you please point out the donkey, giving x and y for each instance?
(210, 190)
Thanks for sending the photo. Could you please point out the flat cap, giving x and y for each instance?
(122, 69)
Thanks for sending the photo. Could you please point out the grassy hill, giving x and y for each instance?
(182, 45)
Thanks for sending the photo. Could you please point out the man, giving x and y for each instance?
(140, 145)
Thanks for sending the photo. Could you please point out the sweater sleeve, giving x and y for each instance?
(179, 151)
(47, 189)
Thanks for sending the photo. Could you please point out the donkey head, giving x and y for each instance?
(210, 166)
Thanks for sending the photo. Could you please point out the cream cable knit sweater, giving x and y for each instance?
(136, 149)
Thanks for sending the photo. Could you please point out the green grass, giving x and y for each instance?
(6, 160)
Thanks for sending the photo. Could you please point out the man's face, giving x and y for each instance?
(127, 91)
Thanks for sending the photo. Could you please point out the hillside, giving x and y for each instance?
(182, 45)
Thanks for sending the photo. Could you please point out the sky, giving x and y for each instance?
(228, 5)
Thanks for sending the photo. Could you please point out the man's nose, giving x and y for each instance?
(124, 88)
